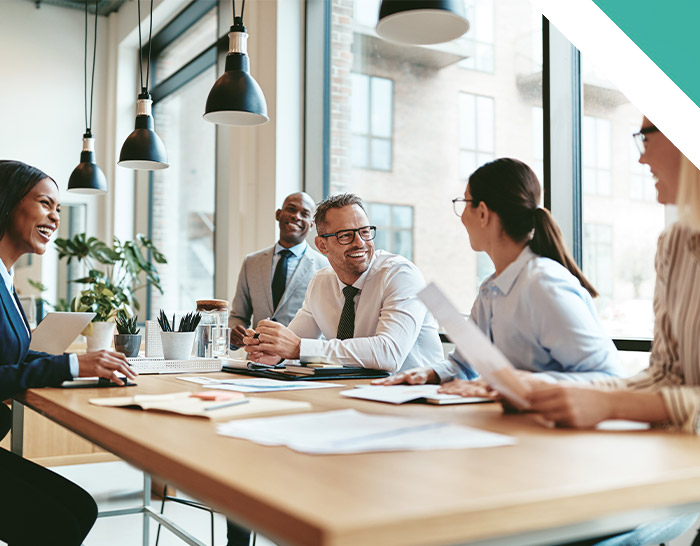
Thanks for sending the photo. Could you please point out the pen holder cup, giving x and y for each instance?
(177, 345)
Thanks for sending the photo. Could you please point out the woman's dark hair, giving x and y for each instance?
(509, 188)
(16, 180)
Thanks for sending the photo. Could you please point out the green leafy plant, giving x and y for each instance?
(126, 324)
(188, 323)
(114, 273)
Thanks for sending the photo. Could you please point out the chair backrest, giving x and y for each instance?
(29, 305)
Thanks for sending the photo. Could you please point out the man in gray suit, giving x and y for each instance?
(272, 282)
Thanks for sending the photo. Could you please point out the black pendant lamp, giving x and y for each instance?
(422, 22)
(236, 98)
(143, 149)
(87, 177)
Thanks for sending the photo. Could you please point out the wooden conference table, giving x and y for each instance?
(552, 484)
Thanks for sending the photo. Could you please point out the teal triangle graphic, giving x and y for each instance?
(667, 32)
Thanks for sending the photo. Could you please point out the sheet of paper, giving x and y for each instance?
(398, 394)
(619, 425)
(258, 384)
(489, 362)
(350, 431)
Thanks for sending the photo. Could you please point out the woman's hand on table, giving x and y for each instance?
(414, 376)
(467, 389)
(571, 405)
(107, 364)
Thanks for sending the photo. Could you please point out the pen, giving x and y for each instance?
(226, 404)
(273, 319)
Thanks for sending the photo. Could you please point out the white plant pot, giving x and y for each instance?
(99, 336)
(177, 345)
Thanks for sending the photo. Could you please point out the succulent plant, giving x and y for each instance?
(126, 324)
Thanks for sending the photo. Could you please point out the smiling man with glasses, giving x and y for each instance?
(364, 305)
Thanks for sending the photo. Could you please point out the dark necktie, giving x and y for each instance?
(279, 279)
(346, 324)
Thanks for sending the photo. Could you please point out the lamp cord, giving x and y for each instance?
(150, 41)
(88, 124)
(150, 33)
(233, 10)
(138, 12)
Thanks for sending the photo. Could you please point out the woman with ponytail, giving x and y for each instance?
(538, 306)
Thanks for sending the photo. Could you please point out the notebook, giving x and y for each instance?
(186, 403)
(317, 372)
(57, 331)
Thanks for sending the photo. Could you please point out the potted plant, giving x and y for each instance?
(114, 275)
(177, 344)
(127, 339)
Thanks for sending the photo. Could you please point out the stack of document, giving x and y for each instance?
(349, 431)
(256, 385)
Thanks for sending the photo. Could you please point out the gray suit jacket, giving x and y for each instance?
(254, 291)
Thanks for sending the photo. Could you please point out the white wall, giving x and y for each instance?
(41, 98)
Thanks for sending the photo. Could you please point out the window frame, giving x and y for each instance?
(201, 62)
(369, 136)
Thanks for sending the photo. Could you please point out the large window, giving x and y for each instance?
(394, 227)
(415, 124)
(476, 137)
(447, 121)
(372, 100)
(597, 258)
(621, 219)
(596, 155)
(480, 39)
(182, 197)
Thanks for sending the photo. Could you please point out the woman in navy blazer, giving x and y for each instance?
(39, 506)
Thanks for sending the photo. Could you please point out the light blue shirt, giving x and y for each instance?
(7, 278)
(543, 320)
(292, 262)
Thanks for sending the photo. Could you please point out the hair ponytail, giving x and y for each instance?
(547, 241)
(510, 188)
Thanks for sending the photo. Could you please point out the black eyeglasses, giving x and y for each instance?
(641, 137)
(347, 236)
(459, 204)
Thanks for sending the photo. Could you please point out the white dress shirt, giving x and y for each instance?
(7, 277)
(393, 329)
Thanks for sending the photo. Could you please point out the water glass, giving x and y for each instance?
(221, 340)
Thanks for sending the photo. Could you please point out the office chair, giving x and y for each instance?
(186, 502)
(193, 504)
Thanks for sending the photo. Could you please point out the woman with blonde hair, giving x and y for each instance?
(667, 393)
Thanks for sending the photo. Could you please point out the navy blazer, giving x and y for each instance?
(21, 368)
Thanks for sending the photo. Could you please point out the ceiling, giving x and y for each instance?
(104, 7)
